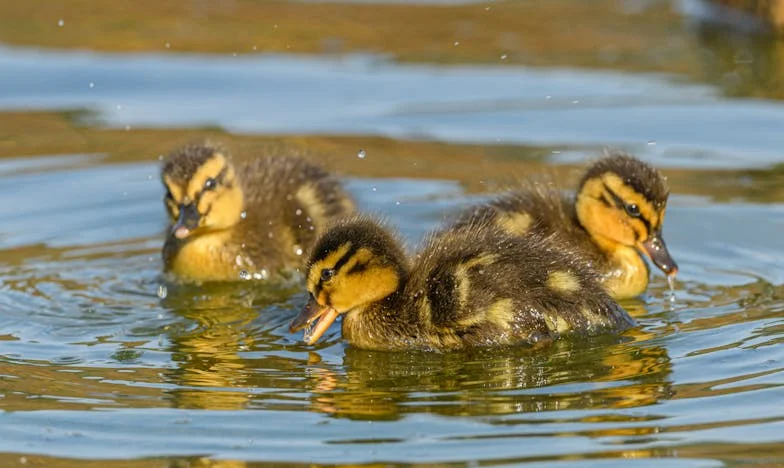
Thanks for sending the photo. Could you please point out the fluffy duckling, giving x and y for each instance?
(257, 216)
(472, 287)
(615, 217)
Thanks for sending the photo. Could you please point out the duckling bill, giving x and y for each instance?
(259, 216)
(615, 218)
(476, 286)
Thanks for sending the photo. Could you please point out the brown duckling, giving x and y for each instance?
(255, 218)
(476, 286)
(615, 217)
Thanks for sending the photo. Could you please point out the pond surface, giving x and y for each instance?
(99, 367)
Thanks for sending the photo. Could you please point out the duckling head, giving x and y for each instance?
(354, 265)
(621, 201)
(202, 193)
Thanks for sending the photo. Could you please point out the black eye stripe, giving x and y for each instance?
(345, 258)
(620, 204)
(218, 181)
(338, 265)
(358, 268)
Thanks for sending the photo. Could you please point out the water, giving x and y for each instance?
(104, 362)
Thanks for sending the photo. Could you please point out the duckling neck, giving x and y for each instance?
(381, 325)
(205, 257)
(627, 275)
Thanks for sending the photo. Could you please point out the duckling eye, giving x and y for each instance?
(209, 184)
(633, 210)
(327, 274)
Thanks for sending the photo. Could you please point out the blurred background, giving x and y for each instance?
(422, 106)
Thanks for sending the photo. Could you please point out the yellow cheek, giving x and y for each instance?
(363, 288)
(207, 199)
(322, 299)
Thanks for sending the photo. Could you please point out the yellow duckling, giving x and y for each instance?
(258, 217)
(616, 216)
(476, 286)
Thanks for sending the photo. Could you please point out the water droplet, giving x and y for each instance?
(61, 23)
(162, 291)
(238, 260)
(264, 273)
(234, 54)
(397, 203)
(298, 212)
(298, 250)
(548, 97)
(487, 8)
(556, 152)
(671, 283)
(373, 188)
(119, 106)
(127, 128)
(457, 43)
(270, 235)
(275, 26)
(244, 214)
(254, 47)
(242, 245)
(92, 85)
(245, 275)
(576, 101)
(361, 154)
(125, 194)
(651, 142)
(167, 45)
(503, 56)
(149, 177)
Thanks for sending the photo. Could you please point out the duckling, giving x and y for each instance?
(614, 219)
(476, 286)
(259, 216)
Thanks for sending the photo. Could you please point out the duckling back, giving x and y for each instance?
(536, 205)
(480, 286)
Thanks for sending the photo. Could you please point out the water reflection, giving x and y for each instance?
(499, 382)
(746, 65)
(211, 372)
